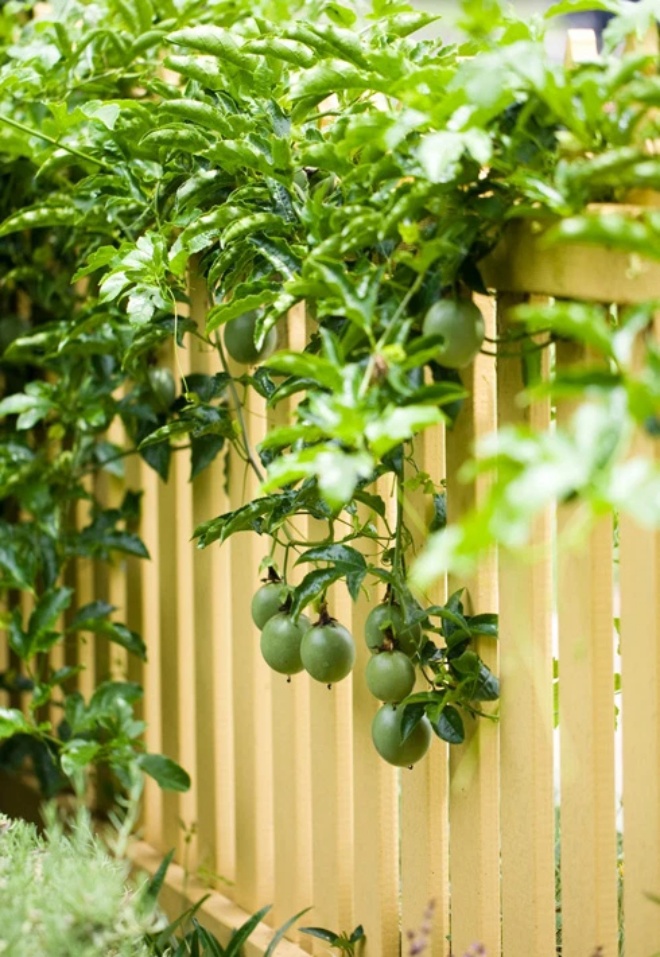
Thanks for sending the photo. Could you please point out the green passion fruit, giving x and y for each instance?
(386, 736)
(280, 643)
(462, 327)
(390, 676)
(163, 387)
(328, 652)
(268, 601)
(390, 617)
(239, 340)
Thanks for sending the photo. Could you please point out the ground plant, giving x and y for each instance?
(322, 155)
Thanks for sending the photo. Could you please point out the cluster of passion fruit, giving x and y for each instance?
(326, 651)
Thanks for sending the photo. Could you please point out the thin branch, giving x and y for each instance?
(55, 142)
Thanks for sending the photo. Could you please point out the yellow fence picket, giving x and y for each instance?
(640, 676)
(202, 646)
(424, 831)
(474, 805)
(154, 688)
(291, 733)
(252, 698)
(586, 722)
(375, 813)
(526, 709)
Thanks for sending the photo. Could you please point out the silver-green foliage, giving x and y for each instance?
(63, 895)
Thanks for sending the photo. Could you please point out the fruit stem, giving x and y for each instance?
(324, 617)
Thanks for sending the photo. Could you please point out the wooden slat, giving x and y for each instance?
(252, 697)
(291, 731)
(151, 631)
(424, 830)
(474, 803)
(640, 675)
(586, 723)
(526, 709)
(211, 654)
(225, 788)
(375, 876)
(84, 578)
(133, 614)
(521, 263)
(332, 801)
(167, 608)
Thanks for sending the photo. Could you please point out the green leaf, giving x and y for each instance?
(18, 567)
(327, 935)
(281, 931)
(165, 772)
(307, 366)
(583, 322)
(313, 585)
(345, 559)
(611, 229)
(48, 609)
(486, 624)
(226, 311)
(332, 77)
(239, 937)
(397, 424)
(78, 753)
(291, 51)
(109, 695)
(247, 518)
(204, 450)
(486, 687)
(214, 41)
(13, 722)
(37, 217)
(151, 890)
(197, 113)
(89, 613)
(336, 553)
(412, 715)
(449, 726)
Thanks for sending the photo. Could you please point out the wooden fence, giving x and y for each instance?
(290, 804)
